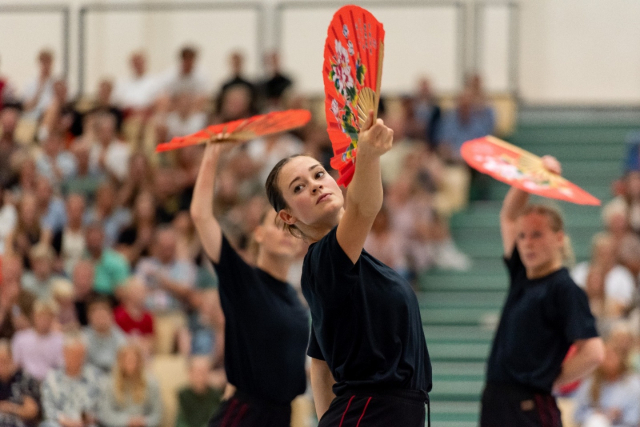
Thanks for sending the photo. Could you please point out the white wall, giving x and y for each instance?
(569, 51)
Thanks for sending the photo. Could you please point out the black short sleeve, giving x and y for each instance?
(574, 311)
(314, 349)
(333, 268)
(235, 276)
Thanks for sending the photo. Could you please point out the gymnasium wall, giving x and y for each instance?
(544, 51)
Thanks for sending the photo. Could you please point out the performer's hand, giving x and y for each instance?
(552, 164)
(374, 138)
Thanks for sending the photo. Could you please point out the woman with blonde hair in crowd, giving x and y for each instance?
(130, 398)
(544, 314)
(611, 397)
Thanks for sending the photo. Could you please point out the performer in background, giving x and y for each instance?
(370, 365)
(266, 325)
(544, 314)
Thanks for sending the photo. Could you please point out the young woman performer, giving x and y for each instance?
(266, 325)
(545, 312)
(366, 339)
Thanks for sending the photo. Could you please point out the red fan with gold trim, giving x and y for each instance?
(242, 130)
(521, 169)
(351, 72)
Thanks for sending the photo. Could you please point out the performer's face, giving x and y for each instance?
(538, 244)
(312, 195)
(274, 239)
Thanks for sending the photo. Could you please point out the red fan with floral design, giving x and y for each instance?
(521, 169)
(242, 130)
(351, 72)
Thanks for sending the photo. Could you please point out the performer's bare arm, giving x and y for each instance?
(589, 356)
(321, 383)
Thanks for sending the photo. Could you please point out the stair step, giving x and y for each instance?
(457, 334)
(444, 299)
(459, 352)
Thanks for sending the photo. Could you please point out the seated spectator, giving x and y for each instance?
(186, 77)
(132, 317)
(617, 283)
(16, 304)
(83, 276)
(8, 218)
(103, 337)
(206, 327)
(615, 216)
(19, 393)
(266, 152)
(107, 212)
(54, 162)
(198, 401)
(185, 119)
(170, 282)
(28, 231)
(61, 117)
(38, 350)
(38, 94)
(130, 397)
(237, 80)
(611, 395)
(276, 85)
(9, 147)
(70, 395)
(467, 121)
(108, 153)
(38, 280)
(54, 212)
(88, 177)
(137, 94)
(166, 193)
(63, 295)
(134, 241)
(69, 243)
(6, 91)
(629, 255)
(140, 179)
(386, 244)
(111, 268)
(104, 104)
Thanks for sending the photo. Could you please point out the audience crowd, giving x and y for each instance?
(102, 270)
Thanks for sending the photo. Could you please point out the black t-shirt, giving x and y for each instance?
(540, 320)
(266, 330)
(365, 320)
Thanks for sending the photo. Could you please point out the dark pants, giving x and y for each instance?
(506, 405)
(245, 411)
(376, 409)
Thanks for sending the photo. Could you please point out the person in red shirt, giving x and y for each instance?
(132, 316)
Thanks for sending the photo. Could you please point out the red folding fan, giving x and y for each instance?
(242, 130)
(351, 72)
(519, 168)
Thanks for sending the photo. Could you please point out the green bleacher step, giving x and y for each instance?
(457, 334)
(459, 352)
(452, 299)
(486, 282)
(456, 391)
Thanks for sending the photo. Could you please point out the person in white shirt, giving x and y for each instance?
(137, 93)
(619, 284)
(38, 94)
(109, 153)
(186, 77)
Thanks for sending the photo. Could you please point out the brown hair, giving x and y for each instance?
(556, 223)
(274, 194)
(136, 386)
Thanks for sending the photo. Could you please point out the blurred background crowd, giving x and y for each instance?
(107, 300)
